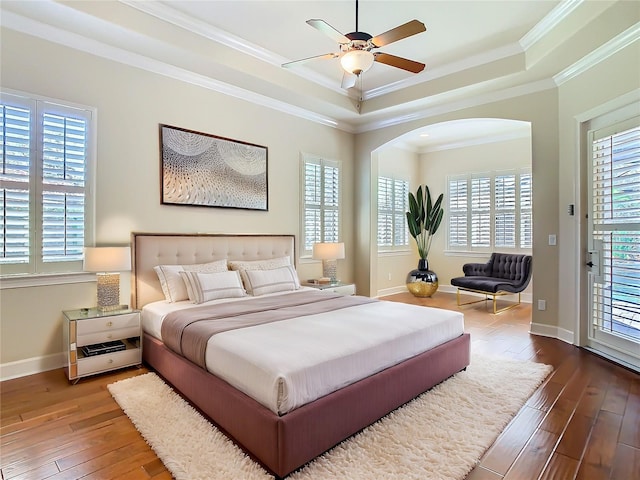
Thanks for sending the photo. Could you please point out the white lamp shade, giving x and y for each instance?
(357, 61)
(328, 251)
(107, 259)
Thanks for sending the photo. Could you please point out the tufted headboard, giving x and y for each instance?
(151, 249)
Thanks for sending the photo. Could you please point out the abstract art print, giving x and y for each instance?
(199, 169)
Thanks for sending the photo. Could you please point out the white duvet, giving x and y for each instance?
(286, 364)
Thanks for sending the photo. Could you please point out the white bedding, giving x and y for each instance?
(286, 364)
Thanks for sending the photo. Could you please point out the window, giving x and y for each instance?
(321, 202)
(43, 185)
(393, 203)
(490, 210)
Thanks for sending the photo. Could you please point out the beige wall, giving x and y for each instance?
(130, 104)
(541, 110)
(392, 266)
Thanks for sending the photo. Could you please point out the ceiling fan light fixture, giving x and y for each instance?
(357, 61)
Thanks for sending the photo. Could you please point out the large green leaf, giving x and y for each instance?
(424, 218)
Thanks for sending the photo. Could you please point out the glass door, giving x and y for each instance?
(614, 242)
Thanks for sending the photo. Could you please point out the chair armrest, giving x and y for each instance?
(477, 269)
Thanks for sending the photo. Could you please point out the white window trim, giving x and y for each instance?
(469, 251)
(306, 255)
(74, 275)
(388, 250)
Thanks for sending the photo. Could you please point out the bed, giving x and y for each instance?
(281, 440)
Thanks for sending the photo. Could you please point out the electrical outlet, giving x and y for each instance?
(542, 304)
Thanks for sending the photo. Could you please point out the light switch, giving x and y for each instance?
(552, 239)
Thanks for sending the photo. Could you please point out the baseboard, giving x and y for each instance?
(391, 291)
(524, 297)
(29, 366)
(553, 332)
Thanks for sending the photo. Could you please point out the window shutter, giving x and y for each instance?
(400, 207)
(385, 212)
(392, 204)
(458, 195)
(526, 208)
(312, 202)
(616, 187)
(15, 189)
(331, 225)
(505, 210)
(45, 159)
(321, 209)
(481, 212)
(64, 145)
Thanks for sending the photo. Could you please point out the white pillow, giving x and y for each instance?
(203, 287)
(260, 282)
(269, 264)
(173, 285)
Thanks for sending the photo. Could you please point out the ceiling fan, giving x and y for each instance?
(356, 49)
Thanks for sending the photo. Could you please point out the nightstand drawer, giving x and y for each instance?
(108, 361)
(106, 335)
(344, 289)
(107, 323)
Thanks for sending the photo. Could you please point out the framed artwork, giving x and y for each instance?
(199, 169)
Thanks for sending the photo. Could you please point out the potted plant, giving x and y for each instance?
(423, 219)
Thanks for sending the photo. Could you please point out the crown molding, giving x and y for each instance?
(459, 104)
(548, 23)
(623, 40)
(50, 33)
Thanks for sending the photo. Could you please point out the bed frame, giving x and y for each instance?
(281, 443)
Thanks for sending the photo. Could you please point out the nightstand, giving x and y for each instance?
(339, 287)
(96, 341)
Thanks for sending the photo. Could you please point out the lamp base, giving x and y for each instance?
(108, 291)
(330, 269)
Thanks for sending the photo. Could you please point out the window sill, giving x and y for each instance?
(41, 280)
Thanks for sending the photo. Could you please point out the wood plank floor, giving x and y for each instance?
(582, 423)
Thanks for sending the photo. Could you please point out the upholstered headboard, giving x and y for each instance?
(151, 249)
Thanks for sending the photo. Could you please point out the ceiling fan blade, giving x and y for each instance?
(398, 33)
(326, 56)
(348, 80)
(399, 62)
(328, 30)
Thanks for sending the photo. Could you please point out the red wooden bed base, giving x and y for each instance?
(284, 443)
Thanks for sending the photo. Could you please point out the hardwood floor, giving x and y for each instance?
(582, 423)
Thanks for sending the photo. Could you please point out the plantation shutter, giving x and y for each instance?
(14, 183)
(481, 212)
(393, 199)
(505, 210)
(331, 210)
(526, 208)
(43, 185)
(321, 209)
(64, 149)
(400, 207)
(458, 212)
(385, 212)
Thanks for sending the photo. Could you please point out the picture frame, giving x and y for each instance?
(205, 170)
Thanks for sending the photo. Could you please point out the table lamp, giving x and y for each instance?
(328, 253)
(107, 262)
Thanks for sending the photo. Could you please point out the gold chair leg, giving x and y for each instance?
(495, 296)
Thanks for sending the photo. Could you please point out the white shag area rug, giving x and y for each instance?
(442, 434)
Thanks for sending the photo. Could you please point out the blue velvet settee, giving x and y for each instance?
(503, 274)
